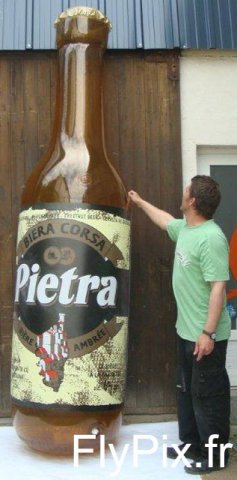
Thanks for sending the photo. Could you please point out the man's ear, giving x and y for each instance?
(192, 201)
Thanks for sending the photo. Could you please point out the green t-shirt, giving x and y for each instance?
(201, 257)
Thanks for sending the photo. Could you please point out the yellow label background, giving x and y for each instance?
(116, 229)
(97, 378)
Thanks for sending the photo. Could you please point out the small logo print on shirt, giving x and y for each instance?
(182, 258)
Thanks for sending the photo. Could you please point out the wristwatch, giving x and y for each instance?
(212, 335)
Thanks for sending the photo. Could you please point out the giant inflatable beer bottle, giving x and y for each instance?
(71, 294)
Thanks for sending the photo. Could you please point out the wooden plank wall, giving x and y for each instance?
(142, 129)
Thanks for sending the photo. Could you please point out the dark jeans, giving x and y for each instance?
(203, 396)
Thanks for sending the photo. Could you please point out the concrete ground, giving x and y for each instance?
(229, 473)
(144, 460)
(18, 462)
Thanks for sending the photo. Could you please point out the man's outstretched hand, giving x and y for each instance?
(134, 198)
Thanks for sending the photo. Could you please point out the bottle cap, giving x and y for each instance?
(84, 12)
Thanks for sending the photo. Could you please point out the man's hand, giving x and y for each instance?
(204, 346)
(134, 197)
(159, 217)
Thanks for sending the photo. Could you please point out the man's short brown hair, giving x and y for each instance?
(207, 195)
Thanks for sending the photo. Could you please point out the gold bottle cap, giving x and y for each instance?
(84, 12)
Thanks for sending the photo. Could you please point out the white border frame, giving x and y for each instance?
(203, 168)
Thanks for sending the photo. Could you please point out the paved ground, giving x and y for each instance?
(229, 473)
(17, 462)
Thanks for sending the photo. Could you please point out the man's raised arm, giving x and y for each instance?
(159, 217)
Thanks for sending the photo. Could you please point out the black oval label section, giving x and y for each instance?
(69, 277)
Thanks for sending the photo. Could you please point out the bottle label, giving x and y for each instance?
(71, 307)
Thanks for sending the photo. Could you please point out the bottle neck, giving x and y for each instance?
(81, 95)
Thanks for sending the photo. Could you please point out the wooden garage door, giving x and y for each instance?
(142, 128)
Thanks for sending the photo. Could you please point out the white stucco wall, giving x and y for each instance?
(208, 89)
(208, 84)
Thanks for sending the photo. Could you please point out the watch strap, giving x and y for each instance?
(211, 335)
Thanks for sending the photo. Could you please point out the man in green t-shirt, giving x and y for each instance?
(203, 326)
